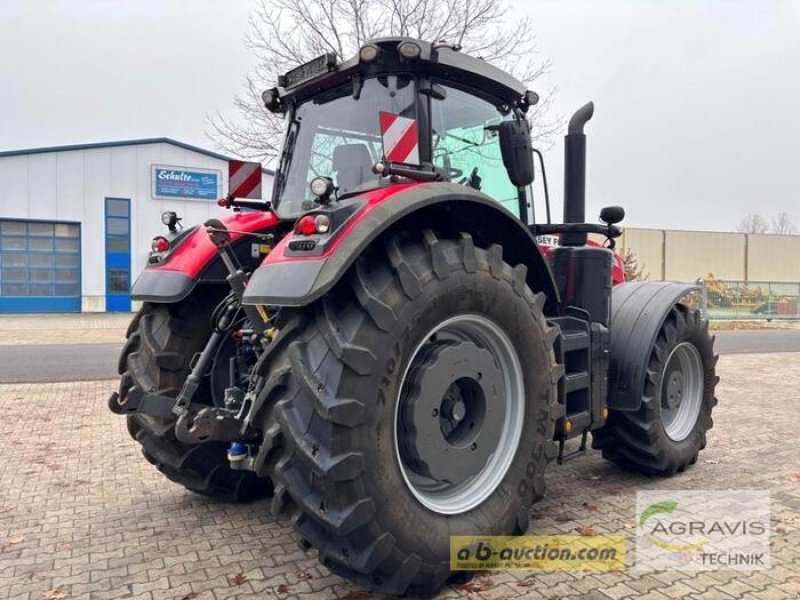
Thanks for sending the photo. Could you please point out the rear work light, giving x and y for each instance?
(160, 244)
(409, 50)
(322, 223)
(368, 53)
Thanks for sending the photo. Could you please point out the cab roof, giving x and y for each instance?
(438, 61)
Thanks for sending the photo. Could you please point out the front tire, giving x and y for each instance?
(373, 496)
(665, 435)
(162, 340)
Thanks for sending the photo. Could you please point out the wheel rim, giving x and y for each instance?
(459, 414)
(681, 391)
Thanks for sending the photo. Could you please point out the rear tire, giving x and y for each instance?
(668, 431)
(336, 378)
(162, 340)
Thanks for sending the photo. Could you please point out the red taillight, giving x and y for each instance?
(160, 244)
(311, 224)
(306, 225)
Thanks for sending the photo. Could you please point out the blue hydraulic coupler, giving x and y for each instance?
(237, 452)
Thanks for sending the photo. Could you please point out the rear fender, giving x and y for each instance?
(638, 311)
(195, 259)
(290, 277)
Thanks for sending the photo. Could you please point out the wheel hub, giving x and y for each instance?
(453, 412)
(459, 414)
(674, 391)
(458, 411)
(681, 391)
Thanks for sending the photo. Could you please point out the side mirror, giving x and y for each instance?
(515, 146)
(611, 215)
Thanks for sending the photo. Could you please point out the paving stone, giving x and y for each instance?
(100, 522)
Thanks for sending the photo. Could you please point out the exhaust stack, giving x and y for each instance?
(575, 174)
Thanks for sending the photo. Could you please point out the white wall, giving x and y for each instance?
(72, 186)
(689, 255)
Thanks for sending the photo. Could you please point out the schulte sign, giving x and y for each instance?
(177, 182)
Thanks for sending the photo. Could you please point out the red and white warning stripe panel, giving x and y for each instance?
(244, 179)
(400, 138)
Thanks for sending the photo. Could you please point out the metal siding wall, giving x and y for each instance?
(42, 187)
(70, 185)
(14, 198)
(774, 258)
(694, 254)
(123, 172)
(124, 177)
(647, 245)
(97, 183)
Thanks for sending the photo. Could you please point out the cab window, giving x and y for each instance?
(338, 135)
(466, 144)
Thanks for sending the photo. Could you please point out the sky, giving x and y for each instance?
(697, 102)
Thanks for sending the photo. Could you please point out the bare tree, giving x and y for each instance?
(782, 224)
(753, 224)
(285, 33)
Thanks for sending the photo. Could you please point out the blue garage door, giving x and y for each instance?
(40, 266)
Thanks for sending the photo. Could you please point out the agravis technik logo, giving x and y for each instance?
(703, 530)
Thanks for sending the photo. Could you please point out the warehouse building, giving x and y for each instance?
(76, 222)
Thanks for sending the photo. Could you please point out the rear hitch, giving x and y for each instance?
(197, 424)
(212, 424)
(138, 401)
(157, 405)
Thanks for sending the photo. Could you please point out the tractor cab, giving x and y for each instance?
(402, 110)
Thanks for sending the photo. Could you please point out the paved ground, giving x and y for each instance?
(82, 515)
(758, 341)
(58, 363)
(85, 328)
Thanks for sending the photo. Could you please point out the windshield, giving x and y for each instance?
(338, 136)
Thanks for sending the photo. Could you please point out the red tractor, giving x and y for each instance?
(407, 360)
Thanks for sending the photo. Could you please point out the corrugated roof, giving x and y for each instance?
(140, 142)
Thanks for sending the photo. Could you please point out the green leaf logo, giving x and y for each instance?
(665, 506)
